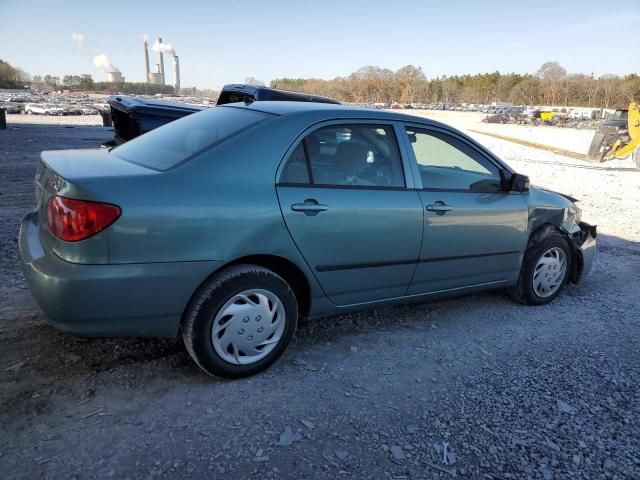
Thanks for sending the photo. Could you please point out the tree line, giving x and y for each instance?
(550, 85)
(11, 77)
(86, 83)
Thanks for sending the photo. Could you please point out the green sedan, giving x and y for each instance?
(228, 225)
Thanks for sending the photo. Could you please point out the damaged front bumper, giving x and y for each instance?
(585, 248)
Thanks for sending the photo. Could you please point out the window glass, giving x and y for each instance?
(164, 147)
(296, 169)
(447, 163)
(355, 155)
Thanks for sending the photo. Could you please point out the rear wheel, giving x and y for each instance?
(240, 321)
(545, 270)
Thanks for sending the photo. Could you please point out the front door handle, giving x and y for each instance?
(439, 208)
(309, 207)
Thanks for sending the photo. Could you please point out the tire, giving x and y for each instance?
(595, 154)
(207, 322)
(525, 291)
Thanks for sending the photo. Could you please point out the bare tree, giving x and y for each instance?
(526, 92)
(609, 85)
(591, 88)
(410, 79)
(253, 81)
(449, 89)
(553, 77)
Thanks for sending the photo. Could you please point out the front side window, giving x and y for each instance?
(447, 163)
(347, 155)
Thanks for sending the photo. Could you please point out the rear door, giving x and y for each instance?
(343, 193)
(475, 233)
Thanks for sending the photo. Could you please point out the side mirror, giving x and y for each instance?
(513, 182)
(519, 183)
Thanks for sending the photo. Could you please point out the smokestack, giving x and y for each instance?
(146, 62)
(161, 63)
(176, 74)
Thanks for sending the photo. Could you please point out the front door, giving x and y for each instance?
(344, 199)
(475, 233)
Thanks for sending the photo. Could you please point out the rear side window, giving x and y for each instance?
(169, 145)
(347, 156)
(296, 170)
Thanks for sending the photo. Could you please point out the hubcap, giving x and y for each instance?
(248, 326)
(549, 272)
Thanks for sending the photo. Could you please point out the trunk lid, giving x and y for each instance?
(134, 116)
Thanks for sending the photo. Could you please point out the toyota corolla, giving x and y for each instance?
(228, 225)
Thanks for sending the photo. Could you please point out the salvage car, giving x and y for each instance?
(87, 110)
(42, 109)
(11, 107)
(228, 225)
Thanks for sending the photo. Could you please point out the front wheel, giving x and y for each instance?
(545, 270)
(240, 321)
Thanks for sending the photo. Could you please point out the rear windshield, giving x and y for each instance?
(234, 97)
(167, 146)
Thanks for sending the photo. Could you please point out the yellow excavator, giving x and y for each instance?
(618, 137)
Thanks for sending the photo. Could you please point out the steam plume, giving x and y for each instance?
(163, 48)
(104, 62)
(79, 40)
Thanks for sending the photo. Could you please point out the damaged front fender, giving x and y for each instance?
(554, 210)
(584, 246)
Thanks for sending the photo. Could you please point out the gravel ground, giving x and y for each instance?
(473, 387)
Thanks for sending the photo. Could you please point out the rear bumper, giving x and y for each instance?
(108, 300)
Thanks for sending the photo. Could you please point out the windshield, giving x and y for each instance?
(620, 115)
(171, 144)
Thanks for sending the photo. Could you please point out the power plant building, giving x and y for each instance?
(115, 77)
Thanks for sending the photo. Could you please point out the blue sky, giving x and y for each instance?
(223, 42)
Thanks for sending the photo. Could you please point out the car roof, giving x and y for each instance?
(334, 111)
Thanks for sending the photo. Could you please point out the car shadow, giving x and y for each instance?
(31, 349)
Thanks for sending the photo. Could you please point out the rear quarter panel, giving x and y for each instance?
(221, 205)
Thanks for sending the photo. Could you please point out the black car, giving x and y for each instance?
(613, 130)
(132, 116)
(234, 93)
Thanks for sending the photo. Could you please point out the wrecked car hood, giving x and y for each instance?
(568, 197)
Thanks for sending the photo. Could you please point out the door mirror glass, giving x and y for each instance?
(519, 183)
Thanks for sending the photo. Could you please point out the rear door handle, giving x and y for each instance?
(309, 207)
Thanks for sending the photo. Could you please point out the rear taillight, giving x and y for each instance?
(72, 220)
